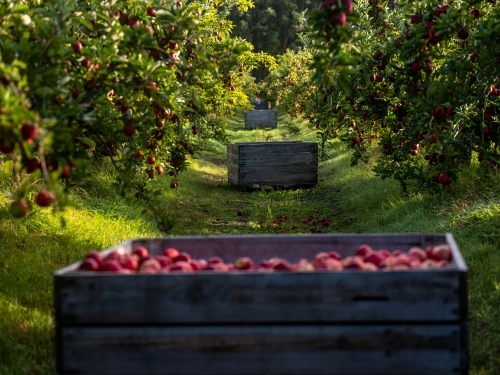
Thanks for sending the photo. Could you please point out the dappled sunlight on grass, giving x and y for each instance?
(26, 339)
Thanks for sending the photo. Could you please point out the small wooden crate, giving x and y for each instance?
(279, 164)
(263, 118)
(348, 322)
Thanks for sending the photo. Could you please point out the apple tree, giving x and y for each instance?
(129, 81)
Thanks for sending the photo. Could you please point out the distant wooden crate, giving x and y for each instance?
(280, 164)
(260, 104)
(348, 322)
(263, 118)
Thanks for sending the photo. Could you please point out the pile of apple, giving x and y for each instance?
(366, 258)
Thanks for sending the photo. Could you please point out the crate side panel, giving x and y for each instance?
(249, 149)
(259, 297)
(261, 118)
(347, 349)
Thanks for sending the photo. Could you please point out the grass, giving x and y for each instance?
(354, 200)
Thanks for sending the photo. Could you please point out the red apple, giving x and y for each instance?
(213, 260)
(86, 63)
(303, 265)
(140, 251)
(418, 253)
(182, 257)
(110, 265)
(338, 19)
(375, 258)
(129, 262)
(428, 264)
(321, 255)
(354, 262)
(328, 264)
(217, 267)
(441, 252)
(388, 262)
(171, 252)
(129, 130)
(32, 165)
(370, 267)
(151, 160)
(445, 179)
(65, 172)
(282, 265)
(30, 131)
(45, 198)
(159, 170)
(89, 264)
(163, 260)
(442, 263)
(151, 12)
(151, 263)
(244, 263)
(77, 47)
(181, 267)
(202, 263)
(364, 250)
(334, 255)
(95, 255)
(416, 18)
(19, 208)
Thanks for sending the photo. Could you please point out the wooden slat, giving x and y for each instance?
(279, 160)
(346, 349)
(253, 297)
(277, 147)
(292, 163)
(261, 119)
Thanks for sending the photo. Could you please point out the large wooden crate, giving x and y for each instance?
(348, 322)
(263, 118)
(279, 164)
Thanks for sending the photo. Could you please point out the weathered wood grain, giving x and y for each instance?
(349, 322)
(274, 163)
(254, 297)
(283, 349)
(261, 118)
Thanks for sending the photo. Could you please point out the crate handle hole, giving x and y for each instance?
(370, 299)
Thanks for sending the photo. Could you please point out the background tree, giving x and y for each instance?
(271, 26)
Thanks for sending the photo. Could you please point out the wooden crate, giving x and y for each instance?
(260, 104)
(263, 118)
(348, 322)
(279, 164)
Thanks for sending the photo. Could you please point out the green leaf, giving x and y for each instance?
(87, 141)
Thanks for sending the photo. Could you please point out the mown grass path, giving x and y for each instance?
(353, 199)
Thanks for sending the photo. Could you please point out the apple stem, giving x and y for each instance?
(15, 169)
